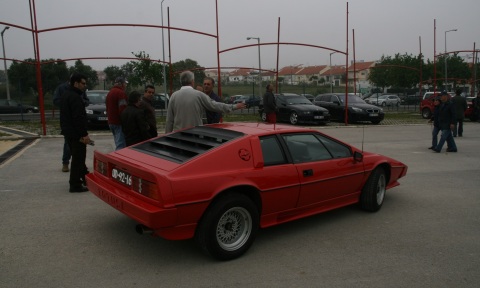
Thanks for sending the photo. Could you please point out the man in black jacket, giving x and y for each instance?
(73, 121)
(269, 105)
(446, 121)
(134, 123)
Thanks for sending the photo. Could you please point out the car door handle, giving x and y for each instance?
(307, 173)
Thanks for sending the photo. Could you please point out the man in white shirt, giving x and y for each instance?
(187, 105)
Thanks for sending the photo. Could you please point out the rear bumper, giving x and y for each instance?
(162, 221)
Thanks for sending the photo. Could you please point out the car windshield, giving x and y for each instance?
(97, 97)
(298, 100)
(351, 99)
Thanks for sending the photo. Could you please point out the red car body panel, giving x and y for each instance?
(185, 190)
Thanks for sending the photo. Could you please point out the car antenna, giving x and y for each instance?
(363, 135)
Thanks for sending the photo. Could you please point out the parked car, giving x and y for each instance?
(358, 109)
(427, 107)
(231, 99)
(96, 110)
(264, 175)
(295, 109)
(13, 107)
(160, 101)
(310, 97)
(384, 100)
(249, 100)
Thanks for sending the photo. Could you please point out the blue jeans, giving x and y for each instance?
(448, 137)
(66, 153)
(118, 136)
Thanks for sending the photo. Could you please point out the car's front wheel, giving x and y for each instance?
(373, 193)
(229, 227)
(426, 113)
(263, 116)
(293, 118)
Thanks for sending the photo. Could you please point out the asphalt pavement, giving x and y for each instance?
(427, 233)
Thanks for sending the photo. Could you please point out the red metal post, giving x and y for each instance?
(38, 71)
(346, 78)
(278, 55)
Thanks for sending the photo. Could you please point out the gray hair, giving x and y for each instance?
(186, 78)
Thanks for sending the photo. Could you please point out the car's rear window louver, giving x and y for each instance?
(186, 144)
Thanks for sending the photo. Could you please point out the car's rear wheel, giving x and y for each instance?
(426, 113)
(293, 118)
(373, 193)
(376, 121)
(229, 227)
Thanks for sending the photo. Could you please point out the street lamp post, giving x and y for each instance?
(163, 51)
(331, 82)
(452, 30)
(5, 63)
(259, 66)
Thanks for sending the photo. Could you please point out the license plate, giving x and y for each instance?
(318, 117)
(122, 177)
(102, 118)
(373, 114)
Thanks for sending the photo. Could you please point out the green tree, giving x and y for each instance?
(187, 64)
(112, 72)
(53, 73)
(145, 71)
(92, 77)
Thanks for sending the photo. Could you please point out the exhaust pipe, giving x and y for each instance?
(142, 229)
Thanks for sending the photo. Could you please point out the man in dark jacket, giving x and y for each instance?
(147, 106)
(134, 124)
(446, 122)
(269, 105)
(73, 121)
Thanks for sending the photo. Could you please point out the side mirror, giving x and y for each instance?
(357, 156)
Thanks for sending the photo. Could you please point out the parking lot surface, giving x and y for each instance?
(427, 233)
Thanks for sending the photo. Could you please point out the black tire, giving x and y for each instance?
(229, 226)
(426, 113)
(263, 116)
(293, 118)
(373, 193)
(376, 121)
(28, 110)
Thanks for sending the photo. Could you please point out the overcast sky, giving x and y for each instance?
(382, 27)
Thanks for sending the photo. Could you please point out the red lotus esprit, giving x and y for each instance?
(220, 183)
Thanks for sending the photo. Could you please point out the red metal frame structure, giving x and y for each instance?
(36, 31)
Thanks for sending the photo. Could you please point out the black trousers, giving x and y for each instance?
(78, 169)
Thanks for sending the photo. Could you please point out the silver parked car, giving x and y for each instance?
(384, 100)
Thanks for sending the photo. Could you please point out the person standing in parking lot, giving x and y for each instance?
(188, 105)
(269, 105)
(208, 84)
(476, 107)
(147, 105)
(73, 122)
(134, 123)
(435, 121)
(57, 101)
(460, 104)
(446, 121)
(115, 103)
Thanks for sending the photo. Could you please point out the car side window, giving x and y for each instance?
(336, 149)
(306, 148)
(272, 151)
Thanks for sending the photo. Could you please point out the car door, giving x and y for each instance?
(336, 107)
(283, 112)
(325, 167)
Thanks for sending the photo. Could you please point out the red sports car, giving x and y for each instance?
(220, 183)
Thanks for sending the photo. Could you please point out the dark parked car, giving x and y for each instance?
(13, 107)
(358, 109)
(96, 110)
(250, 100)
(264, 175)
(294, 109)
(160, 101)
(310, 97)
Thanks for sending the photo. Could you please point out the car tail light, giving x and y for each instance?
(100, 167)
(146, 188)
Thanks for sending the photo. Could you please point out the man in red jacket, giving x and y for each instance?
(115, 103)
